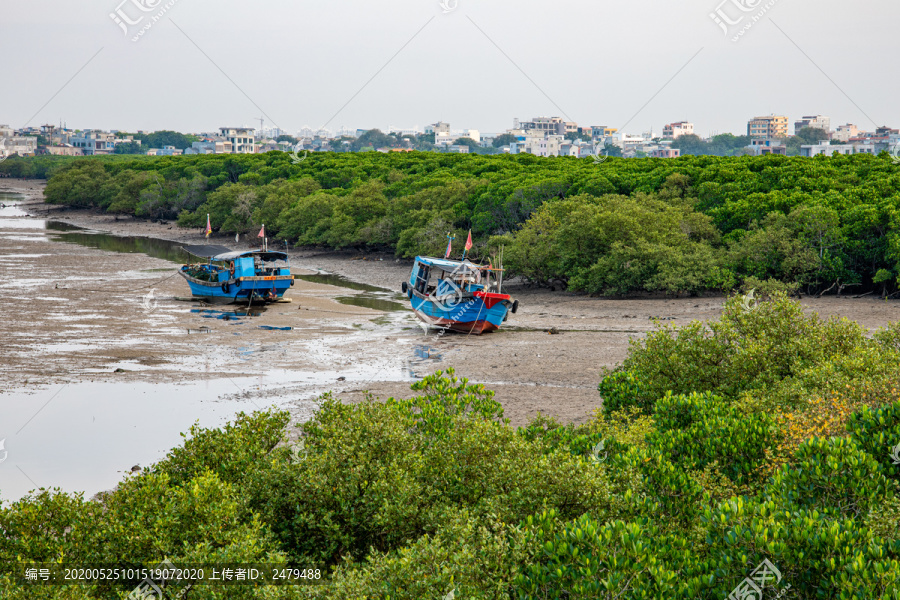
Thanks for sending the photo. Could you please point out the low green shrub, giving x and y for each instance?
(232, 452)
(696, 430)
(832, 474)
(752, 347)
(590, 560)
(468, 558)
(378, 475)
(877, 431)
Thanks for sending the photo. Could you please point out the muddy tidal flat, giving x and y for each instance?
(104, 362)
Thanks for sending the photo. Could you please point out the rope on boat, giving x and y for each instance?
(118, 289)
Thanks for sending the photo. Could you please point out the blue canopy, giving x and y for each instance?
(263, 254)
(448, 265)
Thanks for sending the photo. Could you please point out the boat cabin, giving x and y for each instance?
(441, 277)
(231, 264)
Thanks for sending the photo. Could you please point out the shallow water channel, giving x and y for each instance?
(81, 429)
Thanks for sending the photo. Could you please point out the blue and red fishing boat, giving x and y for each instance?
(458, 295)
(237, 276)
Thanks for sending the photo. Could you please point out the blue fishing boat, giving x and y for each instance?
(458, 295)
(237, 276)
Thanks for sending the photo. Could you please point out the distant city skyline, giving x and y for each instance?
(657, 131)
(472, 63)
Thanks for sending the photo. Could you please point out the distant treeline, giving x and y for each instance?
(687, 225)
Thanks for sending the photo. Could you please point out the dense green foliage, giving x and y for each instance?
(725, 144)
(161, 139)
(675, 491)
(654, 225)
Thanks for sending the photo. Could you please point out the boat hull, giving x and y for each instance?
(469, 315)
(243, 290)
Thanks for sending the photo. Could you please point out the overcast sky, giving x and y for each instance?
(473, 63)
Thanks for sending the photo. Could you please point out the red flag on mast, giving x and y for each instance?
(262, 232)
(469, 241)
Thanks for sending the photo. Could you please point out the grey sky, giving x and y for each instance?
(594, 62)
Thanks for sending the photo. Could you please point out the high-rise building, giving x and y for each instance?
(772, 126)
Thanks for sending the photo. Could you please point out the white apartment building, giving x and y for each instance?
(443, 138)
(94, 143)
(546, 146)
(544, 125)
(761, 147)
(845, 132)
(439, 127)
(209, 147)
(673, 130)
(827, 149)
(814, 121)
(241, 138)
(577, 149)
(11, 144)
(165, 151)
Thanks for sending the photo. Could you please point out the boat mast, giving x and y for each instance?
(500, 281)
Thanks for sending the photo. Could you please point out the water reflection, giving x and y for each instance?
(8, 206)
(156, 248)
(423, 356)
(227, 315)
(339, 281)
(371, 301)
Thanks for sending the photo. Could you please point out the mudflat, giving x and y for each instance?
(75, 311)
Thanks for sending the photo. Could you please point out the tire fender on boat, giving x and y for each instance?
(404, 287)
(515, 307)
(237, 282)
(225, 287)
